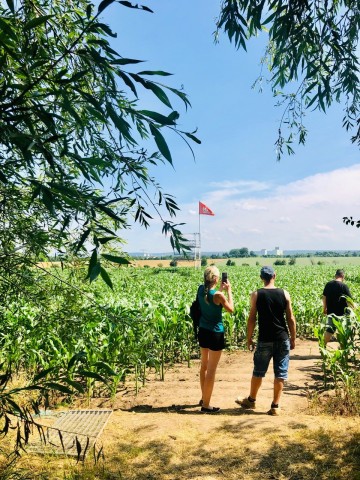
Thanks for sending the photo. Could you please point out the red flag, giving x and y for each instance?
(204, 210)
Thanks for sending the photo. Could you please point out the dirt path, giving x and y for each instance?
(181, 390)
(161, 435)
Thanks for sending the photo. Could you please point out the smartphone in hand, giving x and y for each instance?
(224, 277)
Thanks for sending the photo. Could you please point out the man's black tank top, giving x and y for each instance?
(271, 307)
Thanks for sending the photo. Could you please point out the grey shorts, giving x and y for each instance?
(330, 327)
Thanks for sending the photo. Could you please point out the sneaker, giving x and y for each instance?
(246, 403)
(274, 411)
(210, 410)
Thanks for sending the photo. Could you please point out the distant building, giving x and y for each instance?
(275, 253)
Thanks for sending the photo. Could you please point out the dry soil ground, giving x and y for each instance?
(160, 433)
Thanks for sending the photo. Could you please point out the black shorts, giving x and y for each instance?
(212, 340)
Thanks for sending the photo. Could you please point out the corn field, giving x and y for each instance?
(57, 320)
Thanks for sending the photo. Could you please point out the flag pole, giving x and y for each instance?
(199, 239)
(203, 210)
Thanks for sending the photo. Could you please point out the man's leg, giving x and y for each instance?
(327, 337)
(278, 389)
(254, 386)
(262, 357)
(281, 367)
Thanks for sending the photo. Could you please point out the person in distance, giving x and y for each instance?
(334, 302)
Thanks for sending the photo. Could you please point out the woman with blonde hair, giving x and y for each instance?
(211, 331)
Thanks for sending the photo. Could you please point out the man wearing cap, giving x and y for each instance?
(271, 307)
(334, 302)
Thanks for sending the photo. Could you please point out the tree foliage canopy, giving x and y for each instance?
(312, 51)
(239, 252)
(74, 144)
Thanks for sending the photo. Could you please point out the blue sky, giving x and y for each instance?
(297, 203)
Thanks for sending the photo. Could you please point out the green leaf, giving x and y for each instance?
(139, 7)
(159, 92)
(110, 213)
(58, 387)
(125, 61)
(35, 22)
(48, 200)
(88, 11)
(190, 135)
(3, 178)
(42, 374)
(11, 6)
(104, 4)
(88, 374)
(75, 358)
(105, 240)
(161, 143)
(14, 405)
(127, 82)
(92, 265)
(83, 238)
(122, 125)
(106, 29)
(106, 367)
(75, 385)
(270, 18)
(106, 278)
(159, 118)
(95, 272)
(5, 26)
(155, 72)
(116, 259)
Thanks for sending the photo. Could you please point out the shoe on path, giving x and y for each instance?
(210, 410)
(274, 411)
(246, 403)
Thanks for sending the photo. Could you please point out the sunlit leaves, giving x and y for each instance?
(70, 121)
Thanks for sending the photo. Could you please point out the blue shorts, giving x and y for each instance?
(279, 352)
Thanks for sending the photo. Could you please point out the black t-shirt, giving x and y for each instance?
(271, 307)
(333, 292)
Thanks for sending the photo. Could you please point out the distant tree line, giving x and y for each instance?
(246, 253)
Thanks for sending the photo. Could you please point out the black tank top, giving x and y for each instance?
(271, 307)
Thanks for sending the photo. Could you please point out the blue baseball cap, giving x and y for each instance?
(267, 272)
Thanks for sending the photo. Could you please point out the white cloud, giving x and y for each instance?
(250, 206)
(282, 220)
(323, 228)
(305, 214)
(242, 186)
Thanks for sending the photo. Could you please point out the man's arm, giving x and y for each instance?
(324, 305)
(251, 321)
(290, 320)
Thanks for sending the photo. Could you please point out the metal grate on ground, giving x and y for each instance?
(79, 431)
